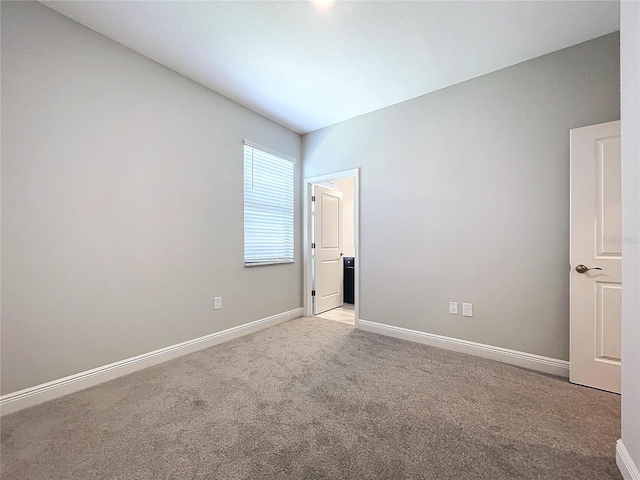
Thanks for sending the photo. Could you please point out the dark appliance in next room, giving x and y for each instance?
(349, 279)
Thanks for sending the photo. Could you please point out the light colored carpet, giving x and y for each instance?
(315, 399)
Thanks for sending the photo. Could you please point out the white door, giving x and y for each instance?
(596, 256)
(327, 253)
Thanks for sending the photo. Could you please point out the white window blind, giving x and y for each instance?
(268, 207)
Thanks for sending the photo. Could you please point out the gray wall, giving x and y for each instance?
(465, 197)
(630, 84)
(121, 203)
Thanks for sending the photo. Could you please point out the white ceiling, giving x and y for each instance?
(307, 68)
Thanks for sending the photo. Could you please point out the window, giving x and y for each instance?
(268, 207)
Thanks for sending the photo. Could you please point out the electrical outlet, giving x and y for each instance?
(453, 308)
(217, 303)
(467, 309)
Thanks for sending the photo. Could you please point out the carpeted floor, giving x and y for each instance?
(315, 399)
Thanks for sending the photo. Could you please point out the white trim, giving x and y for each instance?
(307, 189)
(262, 264)
(28, 397)
(504, 355)
(269, 150)
(627, 468)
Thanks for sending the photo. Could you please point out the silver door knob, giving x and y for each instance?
(585, 269)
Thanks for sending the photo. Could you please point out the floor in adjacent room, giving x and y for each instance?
(318, 399)
(345, 314)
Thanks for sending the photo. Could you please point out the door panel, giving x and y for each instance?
(329, 234)
(609, 196)
(327, 255)
(596, 243)
(608, 306)
(330, 276)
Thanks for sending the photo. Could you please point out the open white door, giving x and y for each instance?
(596, 256)
(327, 253)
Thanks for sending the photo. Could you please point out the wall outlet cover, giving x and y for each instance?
(467, 309)
(453, 308)
(217, 303)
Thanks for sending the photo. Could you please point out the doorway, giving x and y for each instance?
(331, 261)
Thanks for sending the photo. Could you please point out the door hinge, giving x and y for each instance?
(313, 198)
(313, 293)
(313, 245)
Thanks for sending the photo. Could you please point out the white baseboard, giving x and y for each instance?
(513, 357)
(627, 467)
(28, 397)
